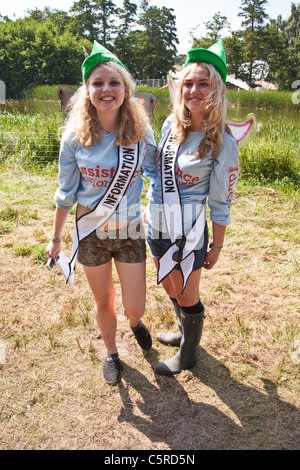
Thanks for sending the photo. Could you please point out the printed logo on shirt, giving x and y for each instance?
(96, 176)
(181, 178)
(232, 179)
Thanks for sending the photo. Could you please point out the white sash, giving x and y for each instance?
(173, 218)
(128, 159)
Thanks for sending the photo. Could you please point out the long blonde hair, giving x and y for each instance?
(132, 120)
(213, 116)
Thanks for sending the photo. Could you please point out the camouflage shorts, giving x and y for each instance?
(100, 247)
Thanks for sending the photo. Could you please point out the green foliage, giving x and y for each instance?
(34, 53)
(48, 46)
(159, 24)
(40, 255)
(162, 94)
(144, 58)
(42, 92)
(273, 156)
(94, 20)
(265, 100)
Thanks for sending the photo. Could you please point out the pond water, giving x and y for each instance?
(161, 111)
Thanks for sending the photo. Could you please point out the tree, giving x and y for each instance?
(36, 54)
(4, 19)
(280, 39)
(127, 15)
(95, 20)
(123, 44)
(215, 26)
(85, 20)
(16, 67)
(157, 43)
(234, 48)
(59, 18)
(107, 12)
(274, 53)
(291, 33)
(253, 12)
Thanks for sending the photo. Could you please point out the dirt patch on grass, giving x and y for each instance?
(244, 391)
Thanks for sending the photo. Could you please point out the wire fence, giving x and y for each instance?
(31, 147)
(152, 82)
(31, 139)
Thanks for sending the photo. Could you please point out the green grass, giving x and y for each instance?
(264, 100)
(162, 94)
(43, 92)
(32, 141)
(273, 156)
(52, 380)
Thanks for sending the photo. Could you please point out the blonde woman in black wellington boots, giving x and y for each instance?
(197, 163)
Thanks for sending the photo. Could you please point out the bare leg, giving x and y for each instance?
(101, 283)
(133, 284)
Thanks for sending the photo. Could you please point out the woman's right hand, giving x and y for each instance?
(211, 259)
(54, 249)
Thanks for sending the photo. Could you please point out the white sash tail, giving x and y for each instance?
(128, 160)
(182, 249)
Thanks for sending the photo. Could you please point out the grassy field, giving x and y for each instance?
(244, 392)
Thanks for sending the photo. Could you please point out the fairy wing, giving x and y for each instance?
(148, 99)
(243, 130)
(65, 93)
(172, 87)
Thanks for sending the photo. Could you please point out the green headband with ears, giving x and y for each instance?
(98, 56)
(214, 55)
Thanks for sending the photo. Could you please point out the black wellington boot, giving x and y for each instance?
(172, 338)
(187, 357)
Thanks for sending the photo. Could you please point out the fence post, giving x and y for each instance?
(2, 92)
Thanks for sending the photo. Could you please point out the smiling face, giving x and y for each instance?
(196, 90)
(106, 90)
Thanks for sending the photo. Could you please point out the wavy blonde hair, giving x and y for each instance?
(132, 119)
(213, 117)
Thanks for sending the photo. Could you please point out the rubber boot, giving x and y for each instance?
(187, 357)
(172, 338)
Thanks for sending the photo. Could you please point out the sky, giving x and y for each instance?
(189, 13)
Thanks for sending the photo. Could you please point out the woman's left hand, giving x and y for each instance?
(211, 259)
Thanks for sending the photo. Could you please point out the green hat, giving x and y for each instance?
(214, 55)
(98, 55)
